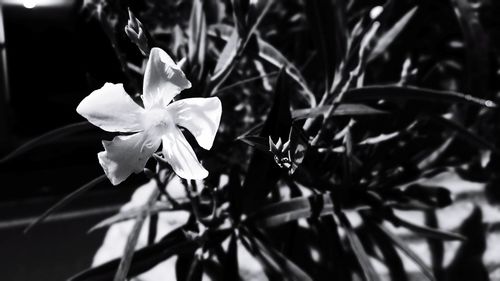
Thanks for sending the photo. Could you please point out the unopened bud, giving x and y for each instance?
(135, 32)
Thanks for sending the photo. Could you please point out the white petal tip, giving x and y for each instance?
(105, 163)
(198, 175)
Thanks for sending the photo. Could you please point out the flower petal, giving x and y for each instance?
(126, 154)
(179, 154)
(201, 116)
(111, 109)
(163, 79)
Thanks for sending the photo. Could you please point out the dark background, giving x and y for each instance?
(56, 56)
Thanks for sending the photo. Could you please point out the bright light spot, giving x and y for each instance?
(30, 4)
(375, 12)
(315, 255)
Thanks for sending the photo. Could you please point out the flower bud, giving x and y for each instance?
(136, 34)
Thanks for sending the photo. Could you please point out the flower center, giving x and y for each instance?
(158, 121)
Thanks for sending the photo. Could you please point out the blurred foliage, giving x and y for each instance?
(329, 106)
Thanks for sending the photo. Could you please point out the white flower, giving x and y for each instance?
(112, 109)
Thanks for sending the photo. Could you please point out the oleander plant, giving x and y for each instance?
(299, 135)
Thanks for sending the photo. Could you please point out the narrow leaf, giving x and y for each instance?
(227, 55)
(436, 247)
(195, 29)
(232, 259)
(380, 138)
(130, 214)
(258, 142)
(128, 253)
(407, 251)
(195, 271)
(467, 264)
(477, 46)
(357, 247)
(144, 259)
(412, 93)
(47, 138)
(132, 239)
(345, 109)
(293, 209)
(276, 265)
(387, 38)
(466, 135)
(425, 231)
(258, 19)
(327, 26)
(273, 56)
(65, 201)
(392, 259)
(234, 46)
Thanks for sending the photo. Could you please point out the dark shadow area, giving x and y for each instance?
(56, 56)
